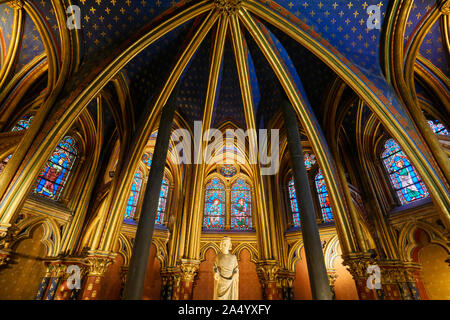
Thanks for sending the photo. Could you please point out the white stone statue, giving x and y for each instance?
(226, 273)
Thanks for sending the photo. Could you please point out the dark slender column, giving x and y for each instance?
(139, 260)
(317, 271)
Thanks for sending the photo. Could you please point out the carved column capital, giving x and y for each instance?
(97, 265)
(267, 270)
(16, 4)
(445, 7)
(357, 264)
(228, 7)
(189, 269)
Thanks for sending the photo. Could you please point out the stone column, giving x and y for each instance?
(317, 271)
(414, 281)
(286, 281)
(189, 270)
(57, 270)
(268, 275)
(97, 267)
(44, 283)
(170, 283)
(64, 292)
(357, 265)
(134, 286)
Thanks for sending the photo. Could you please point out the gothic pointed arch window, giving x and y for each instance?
(23, 124)
(403, 176)
(214, 211)
(135, 192)
(324, 200)
(438, 127)
(310, 161)
(54, 175)
(241, 205)
(162, 203)
(293, 203)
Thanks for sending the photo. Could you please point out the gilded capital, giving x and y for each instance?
(268, 271)
(445, 7)
(357, 265)
(97, 266)
(228, 6)
(16, 4)
(189, 269)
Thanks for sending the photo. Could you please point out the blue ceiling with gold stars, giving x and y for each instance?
(109, 25)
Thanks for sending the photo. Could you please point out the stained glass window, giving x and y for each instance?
(54, 175)
(228, 171)
(147, 159)
(214, 214)
(23, 124)
(241, 205)
(324, 200)
(294, 204)
(4, 162)
(404, 179)
(310, 160)
(438, 127)
(162, 204)
(134, 195)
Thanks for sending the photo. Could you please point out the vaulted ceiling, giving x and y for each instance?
(108, 26)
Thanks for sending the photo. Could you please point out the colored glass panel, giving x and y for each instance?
(324, 200)
(162, 203)
(228, 171)
(403, 176)
(23, 124)
(241, 206)
(134, 196)
(54, 175)
(147, 159)
(214, 211)
(438, 127)
(310, 160)
(294, 204)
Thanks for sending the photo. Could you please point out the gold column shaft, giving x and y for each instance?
(262, 226)
(193, 232)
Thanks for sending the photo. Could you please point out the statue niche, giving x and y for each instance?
(226, 273)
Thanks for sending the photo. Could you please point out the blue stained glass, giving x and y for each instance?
(324, 200)
(23, 124)
(147, 159)
(294, 204)
(54, 175)
(134, 196)
(214, 214)
(228, 171)
(162, 204)
(438, 127)
(241, 205)
(404, 178)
